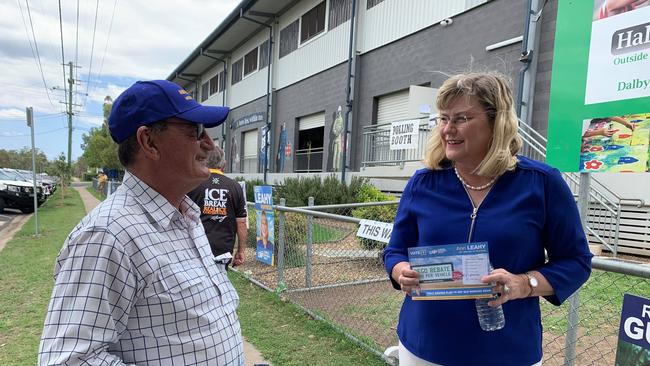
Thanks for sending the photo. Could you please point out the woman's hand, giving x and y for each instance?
(407, 278)
(509, 286)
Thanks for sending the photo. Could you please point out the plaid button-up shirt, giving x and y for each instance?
(136, 283)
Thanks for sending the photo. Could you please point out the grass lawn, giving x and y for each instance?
(325, 233)
(96, 194)
(26, 269)
(285, 335)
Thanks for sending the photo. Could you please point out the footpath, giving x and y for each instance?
(252, 355)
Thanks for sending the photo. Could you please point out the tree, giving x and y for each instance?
(61, 169)
(22, 159)
(100, 151)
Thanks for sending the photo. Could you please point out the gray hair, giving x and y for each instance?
(216, 158)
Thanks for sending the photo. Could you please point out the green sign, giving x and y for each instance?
(599, 114)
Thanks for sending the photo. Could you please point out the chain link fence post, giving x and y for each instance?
(310, 239)
(281, 243)
(574, 300)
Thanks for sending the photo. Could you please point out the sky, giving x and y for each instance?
(133, 40)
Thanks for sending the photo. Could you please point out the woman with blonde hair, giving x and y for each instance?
(476, 189)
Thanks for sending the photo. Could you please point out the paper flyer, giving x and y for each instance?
(451, 272)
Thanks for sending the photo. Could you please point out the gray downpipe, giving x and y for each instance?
(268, 93)
(348, 93)
(526, 57)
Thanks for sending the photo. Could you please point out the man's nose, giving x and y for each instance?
(206, 142)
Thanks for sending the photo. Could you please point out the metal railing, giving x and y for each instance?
(376, 146)
(108, 188)
(604, 204)
(309, 160)
(337, 277)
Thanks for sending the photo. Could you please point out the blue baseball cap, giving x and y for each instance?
(147, 102)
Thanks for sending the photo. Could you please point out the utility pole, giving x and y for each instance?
(30, 122)
(70, 83)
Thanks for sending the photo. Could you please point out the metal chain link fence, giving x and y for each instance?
(324, 268)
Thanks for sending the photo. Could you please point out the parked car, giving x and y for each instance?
(17, 194)
(17, 176)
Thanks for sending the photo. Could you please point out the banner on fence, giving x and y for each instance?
(375, 230)
(634, 332)
(404, 134)
(265, 224)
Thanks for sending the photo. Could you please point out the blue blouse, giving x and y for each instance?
(528, 210)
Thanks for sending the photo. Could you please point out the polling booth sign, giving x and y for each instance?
(404, 134)
(634, 332)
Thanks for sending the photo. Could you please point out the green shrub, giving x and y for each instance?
(329, 191)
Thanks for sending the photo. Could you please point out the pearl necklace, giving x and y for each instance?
(473, 188)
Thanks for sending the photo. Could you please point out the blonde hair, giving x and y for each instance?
(492, 91)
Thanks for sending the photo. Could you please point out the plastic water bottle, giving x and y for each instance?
(488, 317)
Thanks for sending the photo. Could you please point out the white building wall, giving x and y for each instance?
(253, 85)
(391, 20)
(326, 50)
(217, 98)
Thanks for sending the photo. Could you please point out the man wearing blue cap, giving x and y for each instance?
(135, 281)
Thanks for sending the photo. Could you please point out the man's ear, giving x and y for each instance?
(147, 143)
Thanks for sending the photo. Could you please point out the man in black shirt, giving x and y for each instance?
(223, 209)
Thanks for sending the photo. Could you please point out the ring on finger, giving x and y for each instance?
(506, 289)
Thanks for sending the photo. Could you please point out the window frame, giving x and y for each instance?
(205, 91)
(214, 84)
(289, 38)
(251, 61)
(237, 71)
(305, 34)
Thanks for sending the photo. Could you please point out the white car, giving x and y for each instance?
(17, 194)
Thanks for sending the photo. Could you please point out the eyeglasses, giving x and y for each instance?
(456, 121)
(197, 128)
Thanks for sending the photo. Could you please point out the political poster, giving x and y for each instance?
(634, 332)
(265, 224)
(599, 113)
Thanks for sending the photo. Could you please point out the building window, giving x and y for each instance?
(249, 161)
(340, 11)
(312, 23)
(289, 38)
(309, 147)
(264, 54)
(372, 3)
(214, 84)
(205, 90)
(250, 62)
(237, 71)
(222, 81)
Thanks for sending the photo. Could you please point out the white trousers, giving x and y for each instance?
(406, 358)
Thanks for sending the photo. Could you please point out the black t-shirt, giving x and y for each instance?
(221, 201)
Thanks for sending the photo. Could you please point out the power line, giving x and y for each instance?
(29, 134)
(36, 55)
(76, 46)
(110, 27)
(92, 50)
